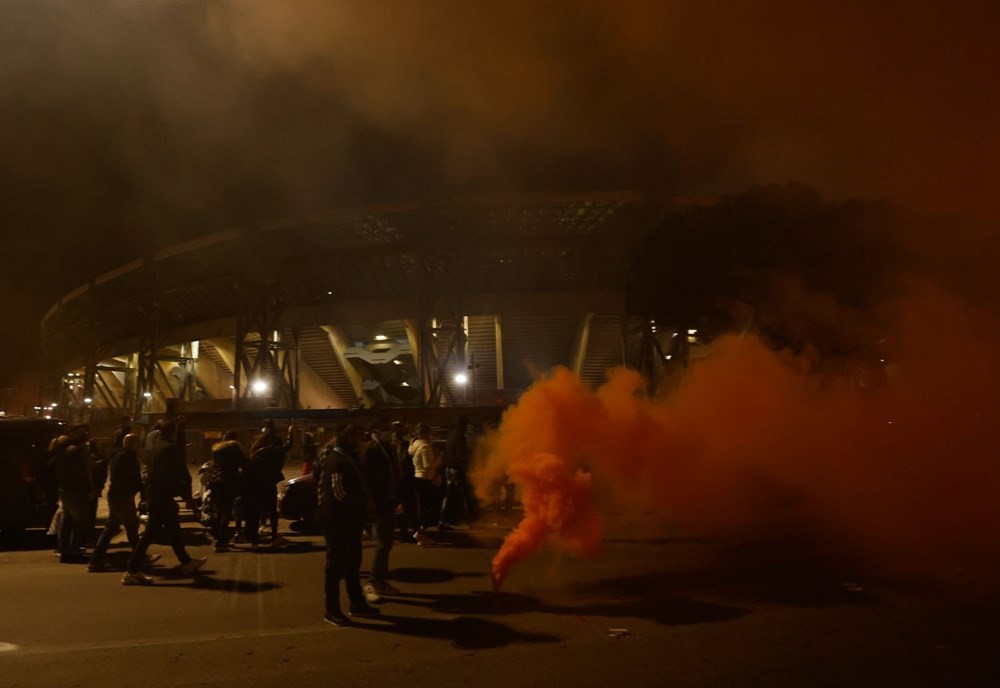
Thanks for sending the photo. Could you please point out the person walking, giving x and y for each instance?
(168, 478)
(126, 482)
(343, 503)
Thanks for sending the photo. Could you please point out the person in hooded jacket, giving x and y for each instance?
(226, 481)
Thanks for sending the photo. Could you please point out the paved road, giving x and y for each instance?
(693, 614)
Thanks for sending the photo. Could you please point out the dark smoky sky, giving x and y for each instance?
(130, 124)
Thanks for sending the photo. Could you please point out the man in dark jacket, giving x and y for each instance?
(126, 483)
(226, 483)
(382, 476)
(168, 478)
(343, 504)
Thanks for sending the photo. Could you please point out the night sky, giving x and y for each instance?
(132, 124)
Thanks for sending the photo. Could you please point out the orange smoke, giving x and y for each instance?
(750, 444)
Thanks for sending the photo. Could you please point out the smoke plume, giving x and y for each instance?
(751, 443)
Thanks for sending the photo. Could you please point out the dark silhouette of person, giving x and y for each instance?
(456, 477)
(226, 482)
(168, 478)
(264, 472)
(75, 480)
(424, 470)
(343, 504)
(382, 477)
(125, 483)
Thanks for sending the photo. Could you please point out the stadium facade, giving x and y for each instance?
(461, 303)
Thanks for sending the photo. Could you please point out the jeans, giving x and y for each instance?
(121, 512)
(456, 490)
(224, 496)
(162, 518)
(343, 562)
(383, 545)
(424, 490)
(75, 522)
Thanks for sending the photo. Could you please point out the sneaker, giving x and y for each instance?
(365, 610)
(423, 539)
(238, 539)
(372, 594)
(137, 578)
(152, 558)
(384, 588)
(191, 566)
(278, 541)
(445, 526)
(218, 549)
(98, 566)
(337, 619)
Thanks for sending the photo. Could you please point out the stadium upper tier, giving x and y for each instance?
(327, 306)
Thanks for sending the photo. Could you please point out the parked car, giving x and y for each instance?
(297, 501)
(28, 494)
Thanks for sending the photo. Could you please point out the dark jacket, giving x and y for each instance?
(228, 462)
(382, 476)
(168, 474)
(456, 450)
(73, 470)
(125, 474)
(341, 493)
(264, 468)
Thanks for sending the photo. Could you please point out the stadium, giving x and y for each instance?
(408, 307)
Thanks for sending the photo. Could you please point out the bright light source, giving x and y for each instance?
(692, 331)
(669, 356)
(147, 394)
(232, 386)
(461, 378)
(397, 361)
(404, 384)
(380, 338)
(259, 386)
(88, 400)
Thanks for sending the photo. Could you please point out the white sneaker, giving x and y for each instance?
(371, 594)
(137, 578)
(192, 566)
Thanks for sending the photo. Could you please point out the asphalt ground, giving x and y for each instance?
(658, 609)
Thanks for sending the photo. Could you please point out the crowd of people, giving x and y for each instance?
(381, 482)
